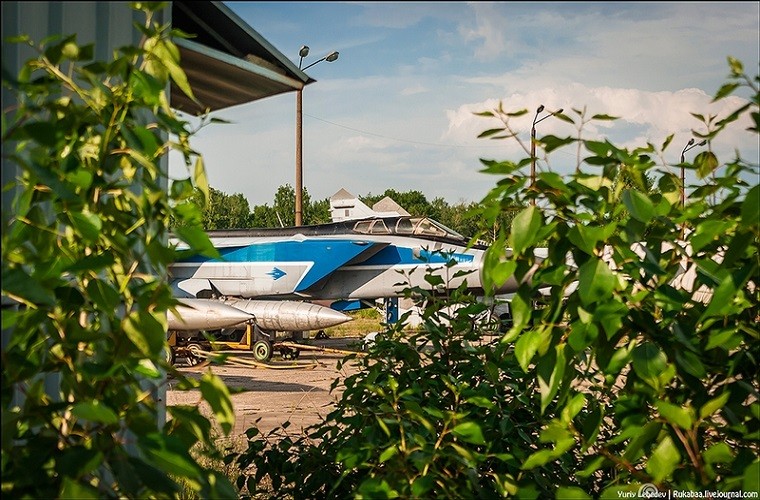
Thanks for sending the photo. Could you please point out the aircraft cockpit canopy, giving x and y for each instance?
(416, 226)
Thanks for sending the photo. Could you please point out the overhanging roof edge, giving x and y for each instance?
(240, 63)
(264, 42)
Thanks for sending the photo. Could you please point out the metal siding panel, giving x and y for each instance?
(79, 18)
(108, 25)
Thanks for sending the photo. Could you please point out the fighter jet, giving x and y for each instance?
(275, 274)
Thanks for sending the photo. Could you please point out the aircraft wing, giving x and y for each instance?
(271, 268)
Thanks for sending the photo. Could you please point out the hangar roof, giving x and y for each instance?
(227, 62)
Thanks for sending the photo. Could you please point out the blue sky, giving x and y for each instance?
(396, 110)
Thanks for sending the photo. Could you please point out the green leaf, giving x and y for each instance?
(78, 461)
(220, 486)
(71, 488)
(521, 309)
(571, 493)
(200, 180)
(169, 454)
(649, 362)
(718, 453)
(725, 90)
(525, 227)
(86, 224)
(572, 408)
(198, 241)
(713, 405)
(217, 395)
(44, 132)
(690, 363)
(751, 477)
(641, 440)
(501, 272)
(95, 411)
(586, 237)
(552, 142)
(550, 370)
(422, 486)
(145, 332)
(664, 460)
(707, 232)
(105, 296)
(376, 488)
(80, 177)
(675, 415)
(722, 299)
(705, 162)
(594, 465)
(19, 285)
(469, 432)
(639, 205)
(388, 453)
(751, 208)
(595, 282)
(538, 459)
(526, 347)
(490, 132)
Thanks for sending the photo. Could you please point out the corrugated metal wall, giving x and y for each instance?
(108, 25)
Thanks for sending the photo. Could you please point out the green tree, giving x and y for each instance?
(642, 375)
(617, 377)
(284, 208)
(264, 216)
(318, 212)
(412, 201)
(284, 205)
(85, 256)
(224, 211)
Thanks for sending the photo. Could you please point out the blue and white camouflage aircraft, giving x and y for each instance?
(354, 259)
(275, 273)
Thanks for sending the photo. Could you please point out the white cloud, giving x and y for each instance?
(416, 89)
(643, 117)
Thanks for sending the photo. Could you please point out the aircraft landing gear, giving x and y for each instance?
(289, 353)
(194, 354)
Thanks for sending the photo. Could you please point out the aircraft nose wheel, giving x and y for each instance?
(194, 354)
(288, 353)
(262, 350)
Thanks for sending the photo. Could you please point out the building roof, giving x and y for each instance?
(226, 61)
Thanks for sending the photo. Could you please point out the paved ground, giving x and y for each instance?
(298, 391)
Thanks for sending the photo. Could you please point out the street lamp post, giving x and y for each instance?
(533, 143)
(332, 56)
(689, 145)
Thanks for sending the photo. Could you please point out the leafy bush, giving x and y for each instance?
(84, 259)
(644, 350)
(617, 373)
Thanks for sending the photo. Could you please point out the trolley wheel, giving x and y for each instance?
(289, 353)
(194, 354)
(262, 350)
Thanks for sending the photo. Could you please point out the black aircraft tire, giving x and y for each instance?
(262, 350)
(288, 353)
(194, 354)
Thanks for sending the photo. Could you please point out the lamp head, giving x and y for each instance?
(540, 108)
(304, 51)
(332, 56)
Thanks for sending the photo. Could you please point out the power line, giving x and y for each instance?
(438, 144)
